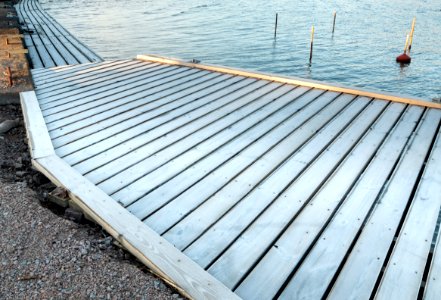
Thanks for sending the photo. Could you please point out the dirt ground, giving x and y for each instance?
(43, 254)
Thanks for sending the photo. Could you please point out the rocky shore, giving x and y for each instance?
(44, 254)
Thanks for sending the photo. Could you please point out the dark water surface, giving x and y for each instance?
(369, 35)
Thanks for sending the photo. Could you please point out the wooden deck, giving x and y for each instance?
(49, 43)
(270, 187)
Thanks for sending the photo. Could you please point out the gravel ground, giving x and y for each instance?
(43, 255)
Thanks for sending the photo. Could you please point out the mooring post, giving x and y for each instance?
(411, 33)
(333, 23)
(312, 44)
(275, 27)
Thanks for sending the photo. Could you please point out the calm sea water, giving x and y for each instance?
(369, 35)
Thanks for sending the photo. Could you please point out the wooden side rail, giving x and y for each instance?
(292, 80)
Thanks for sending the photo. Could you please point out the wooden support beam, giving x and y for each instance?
(7, 53)
(293, 80)
(11, 35)
(39, 141)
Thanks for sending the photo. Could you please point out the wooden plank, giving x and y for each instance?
(42, 52)
(140, 110)
(161, 257)
(286, 203)
(134, 182)
(92, 56)
(433, 287)
(79, 97)
(32, 40)
(149, 89)
(61, 48)
(35, 58)
(324, 259)
(168, 98)
(141, 135)
(206, 179)
(248, 184)
(11, 36)
(363, 265)
(79, 56)
(90, 78)
(75, 107)
(404, 272)
(59, 78)
(317, 270)
(51, 38)
(162, 134)
(4, 54)
(46, 43)
(293, 80)
(234, 173)
(44, 73)
(78, 101)
(256, 137)
(47, 35)
(40, 144)
(54, 74)
(143, 109)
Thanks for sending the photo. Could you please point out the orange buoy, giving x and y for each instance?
(404, 58)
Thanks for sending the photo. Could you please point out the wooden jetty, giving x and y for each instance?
(49, 43)
(232, 184)
(220, 179)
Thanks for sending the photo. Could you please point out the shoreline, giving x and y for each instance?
(44, 254)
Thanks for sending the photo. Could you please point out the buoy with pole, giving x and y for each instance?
(404, 58)
(275, 27)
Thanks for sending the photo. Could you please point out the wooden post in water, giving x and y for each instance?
(275, 28)
(312, 44)
(333, 23)
(411, 33)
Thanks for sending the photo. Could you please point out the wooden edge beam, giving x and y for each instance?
(153, 250)
(10, 35)
(40, 143)
(7, 53)
(292, 80)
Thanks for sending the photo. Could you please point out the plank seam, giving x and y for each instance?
(374, 204)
